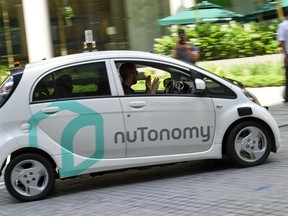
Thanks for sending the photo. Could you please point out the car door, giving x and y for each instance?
(165, 124)
(77, 126)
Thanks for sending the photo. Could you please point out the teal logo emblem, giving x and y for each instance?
(86, 117)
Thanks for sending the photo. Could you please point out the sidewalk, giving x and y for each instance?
(272, 97)
(280, 114)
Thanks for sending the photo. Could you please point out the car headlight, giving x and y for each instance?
(250, 96)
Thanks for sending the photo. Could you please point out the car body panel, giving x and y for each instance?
(168, 125)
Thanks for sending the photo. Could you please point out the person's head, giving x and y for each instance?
(64, 82)
(182, 35)
(129, 73)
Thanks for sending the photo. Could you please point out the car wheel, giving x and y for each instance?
(29, 177)
(248, 144)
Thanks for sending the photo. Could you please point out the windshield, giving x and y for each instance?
(234, 82)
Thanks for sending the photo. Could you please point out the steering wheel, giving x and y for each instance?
(179, 86)
(169, 85)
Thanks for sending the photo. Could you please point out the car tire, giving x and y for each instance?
(248, 144)
(29, 177)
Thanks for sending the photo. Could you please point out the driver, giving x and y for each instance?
(129, 75)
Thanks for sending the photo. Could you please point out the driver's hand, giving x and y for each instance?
(152, 88)
(155, 85)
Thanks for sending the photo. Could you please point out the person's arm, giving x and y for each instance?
(174, 52)
(192, 53)
(282, 45)
(281, 37)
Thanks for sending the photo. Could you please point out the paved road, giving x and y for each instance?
(196, 188)
(201, 188)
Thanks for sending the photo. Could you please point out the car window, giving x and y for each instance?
(173, 80)
(216, 89)
(87, 80)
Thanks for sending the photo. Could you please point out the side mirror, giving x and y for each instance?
(200, 85)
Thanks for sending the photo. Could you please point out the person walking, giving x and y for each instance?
(282, 37)
(184, 51)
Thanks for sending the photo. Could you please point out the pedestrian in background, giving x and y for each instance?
(282, 37)
(184, 51)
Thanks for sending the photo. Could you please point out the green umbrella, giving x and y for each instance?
(205, 11)
(267, 11)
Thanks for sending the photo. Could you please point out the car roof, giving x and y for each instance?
(86, 56)
(59, 61)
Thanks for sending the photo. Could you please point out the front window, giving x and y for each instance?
(172, 80)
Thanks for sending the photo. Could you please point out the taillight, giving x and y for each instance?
(3, 89)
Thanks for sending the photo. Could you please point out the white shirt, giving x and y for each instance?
(282, 33)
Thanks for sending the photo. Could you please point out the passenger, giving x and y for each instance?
(64, 86)
(129, 75)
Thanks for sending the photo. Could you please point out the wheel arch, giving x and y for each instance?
(37, 151)
(224, 141)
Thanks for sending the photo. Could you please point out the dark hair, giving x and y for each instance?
(125, 69)
(64, 80)
(64, 85)
(181, 31)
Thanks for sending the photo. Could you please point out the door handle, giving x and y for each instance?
(137, 104)
(219, 106)
(50, 110)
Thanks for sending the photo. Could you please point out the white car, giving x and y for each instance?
(97, 128)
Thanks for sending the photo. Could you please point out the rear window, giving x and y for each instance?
(77, 81)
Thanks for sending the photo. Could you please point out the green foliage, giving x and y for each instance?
(4, 71)
(233, 40)
(253, 75)
(225, 41)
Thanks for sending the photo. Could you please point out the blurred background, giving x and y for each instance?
(31, 30)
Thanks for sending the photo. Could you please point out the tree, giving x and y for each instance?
(64, 12)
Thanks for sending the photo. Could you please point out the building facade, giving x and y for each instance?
(37, 29)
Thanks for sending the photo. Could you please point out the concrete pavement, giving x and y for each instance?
(273, 98)
(280, 114)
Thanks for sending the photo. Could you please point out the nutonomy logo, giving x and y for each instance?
(86, 117)
(143, 134)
